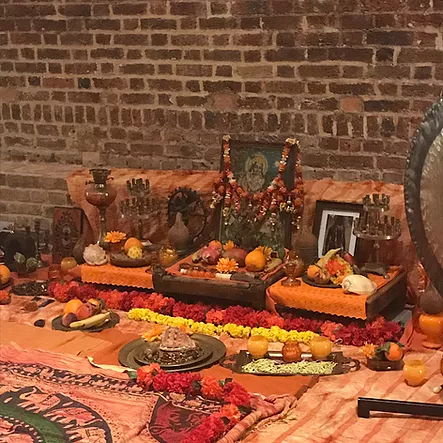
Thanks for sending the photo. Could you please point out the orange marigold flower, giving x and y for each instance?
(229, 245)
(114, 237)
(211, 388)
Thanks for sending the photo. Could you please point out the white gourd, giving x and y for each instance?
(358, 284)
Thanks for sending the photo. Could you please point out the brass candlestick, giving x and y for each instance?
(375, 225)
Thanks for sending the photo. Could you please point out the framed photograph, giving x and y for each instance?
(334, 226)
(254, 166)
(67, 227)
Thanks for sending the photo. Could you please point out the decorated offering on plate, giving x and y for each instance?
(330, 270)
(290, 362)
(174, 349)
(91, 316)
(228, 260)
(133, 255)
(320, 347)
(388, 357)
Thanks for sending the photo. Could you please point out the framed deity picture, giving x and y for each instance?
(67, 228)
(254, 166)
(334, 226)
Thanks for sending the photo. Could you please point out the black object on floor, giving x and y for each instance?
(39, 323)
(366, 405)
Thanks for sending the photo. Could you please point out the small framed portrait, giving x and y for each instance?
(334, 226)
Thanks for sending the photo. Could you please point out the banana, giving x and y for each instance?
(95, 320)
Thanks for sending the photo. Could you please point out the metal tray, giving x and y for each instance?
(236, 362)
(127, 353)
(207, 352)
(31, 288)
(57, 324)
(317, 285)
(423, 193)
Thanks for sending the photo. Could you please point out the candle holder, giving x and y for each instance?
(141, 205)
(375, 225)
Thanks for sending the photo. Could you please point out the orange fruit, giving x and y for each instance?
(5, 274)
(72, 306)
(395, 352)
(312, 271)
(132, 241)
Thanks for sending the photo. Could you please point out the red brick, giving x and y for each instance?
(222, 55)
(158, 23)
(58, 83)
(285, 71)
(191, 101)
(284, 87)
(194, 70)
(218, 23)
(84, 97)
(103, 24)
(25, 39)
(131, 39)
(224, 71)
(112, 53)
(129, 9)
(189, 40)
(319, 71)
(76, 10)
(163, 54)
(412, 55)
(76, 39)
(138, 69)
(80, 68)
(188, 8)
(222, 86)
(421, 90)
(285, 54)
(393, 38)
(277, 23)
(351, 104)
(54, 54)
(110, 83)
(164, 85)
(386, 105)
(352, 88)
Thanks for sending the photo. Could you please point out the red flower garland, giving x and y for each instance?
(377, 332)
(231, 394)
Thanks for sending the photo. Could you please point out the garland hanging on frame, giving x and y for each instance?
(274, 199)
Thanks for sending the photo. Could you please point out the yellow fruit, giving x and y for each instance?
(72, 306)
(266, 251)
(255, 261)
(5, 274)
(135, 252)
(132, 241)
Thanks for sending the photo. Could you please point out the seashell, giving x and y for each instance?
(358, 284)
(95, 255)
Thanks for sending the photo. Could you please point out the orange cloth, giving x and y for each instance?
(113, 275)
(327, 301)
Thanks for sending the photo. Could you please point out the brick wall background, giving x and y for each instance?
(155, 84)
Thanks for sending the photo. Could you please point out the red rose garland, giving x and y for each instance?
(377, 332)
(236, 401)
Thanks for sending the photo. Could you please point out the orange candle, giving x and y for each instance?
(321, 347)
(414, 372)
(257, 346)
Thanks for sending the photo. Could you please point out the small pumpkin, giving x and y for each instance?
(291, 352)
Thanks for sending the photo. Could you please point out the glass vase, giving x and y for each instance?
(100, 194)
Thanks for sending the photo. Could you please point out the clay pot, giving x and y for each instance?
(178, 235)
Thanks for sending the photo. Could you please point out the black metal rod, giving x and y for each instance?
(366, 405)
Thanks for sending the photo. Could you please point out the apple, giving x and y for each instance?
(347, 257)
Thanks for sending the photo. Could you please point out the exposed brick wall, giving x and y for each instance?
(155, 83)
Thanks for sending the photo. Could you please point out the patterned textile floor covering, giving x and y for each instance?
(327, 413)
(41, 401)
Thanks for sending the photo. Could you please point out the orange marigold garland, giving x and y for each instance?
(235, 400)
(275, 198)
